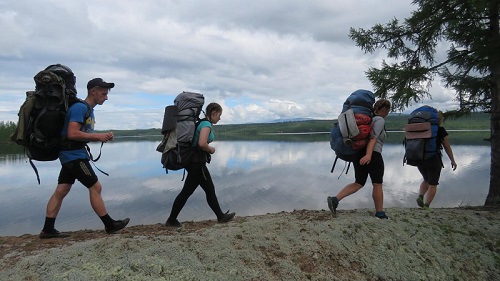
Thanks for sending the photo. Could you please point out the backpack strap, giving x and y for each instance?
(35, 169)
(334, 163)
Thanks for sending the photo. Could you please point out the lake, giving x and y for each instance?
(251, 178)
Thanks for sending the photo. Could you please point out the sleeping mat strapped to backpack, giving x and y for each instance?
(179, 126)
(421, 135)
(350, 134)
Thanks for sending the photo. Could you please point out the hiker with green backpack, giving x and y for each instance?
(369, 162)
(75, 159)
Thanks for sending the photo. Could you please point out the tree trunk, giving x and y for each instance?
(493, 198)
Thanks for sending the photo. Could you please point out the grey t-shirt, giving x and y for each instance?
(378, 132)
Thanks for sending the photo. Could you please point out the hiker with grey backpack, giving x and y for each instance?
(195, 157)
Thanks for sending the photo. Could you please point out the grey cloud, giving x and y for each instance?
(293, 51)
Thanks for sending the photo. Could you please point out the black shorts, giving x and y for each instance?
(375, 169)
(431, 169)
(79, 169)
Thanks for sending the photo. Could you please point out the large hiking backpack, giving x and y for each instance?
(420, 140)
(350, 134)
(42, 115)
(179, 127)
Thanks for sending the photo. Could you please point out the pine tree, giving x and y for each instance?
(469, 29)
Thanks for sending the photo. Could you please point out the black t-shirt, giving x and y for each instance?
(442, 133)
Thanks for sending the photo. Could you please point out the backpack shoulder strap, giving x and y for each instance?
(87, 113)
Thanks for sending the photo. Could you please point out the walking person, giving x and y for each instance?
(75, 161)
(370, 163)
(198, 174)
(431, 169)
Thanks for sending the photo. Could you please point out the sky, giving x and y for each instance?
(263, 61)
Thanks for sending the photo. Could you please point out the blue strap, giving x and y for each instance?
(36, 170)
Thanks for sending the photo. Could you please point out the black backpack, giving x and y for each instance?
(42, 115)
(178, 129)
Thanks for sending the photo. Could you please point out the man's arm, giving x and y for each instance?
(75, 134)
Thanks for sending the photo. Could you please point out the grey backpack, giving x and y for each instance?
(178, 129)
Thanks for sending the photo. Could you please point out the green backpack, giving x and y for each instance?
(42, 115)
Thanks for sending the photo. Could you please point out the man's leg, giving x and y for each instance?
(55, 201)
(96, 199)
(110, 225)
(53, 207)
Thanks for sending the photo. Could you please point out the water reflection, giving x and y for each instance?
(251, 177)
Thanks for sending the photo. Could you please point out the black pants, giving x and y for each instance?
(198, 175)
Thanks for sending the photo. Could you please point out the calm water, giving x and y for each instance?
(251, 178)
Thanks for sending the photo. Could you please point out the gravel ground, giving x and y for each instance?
(442, 244)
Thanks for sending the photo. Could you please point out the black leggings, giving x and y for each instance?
(198, 174)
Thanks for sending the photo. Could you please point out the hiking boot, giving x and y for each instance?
(173, 223)
(226, 217)
(426, 207)
(420, 202)
(333, 203)
(52, 234)
(117, 225)
(381, 215)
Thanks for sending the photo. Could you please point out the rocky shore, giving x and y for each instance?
(414, 244)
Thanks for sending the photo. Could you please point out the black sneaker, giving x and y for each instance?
(381, 215)
(420, 202)
(226, 217)
(173, 223)
(117, 225)
(52, 234)
(333, 203)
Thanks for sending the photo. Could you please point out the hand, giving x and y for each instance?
(365, 160)
(453, 165)
(107, 137)
(212, 150)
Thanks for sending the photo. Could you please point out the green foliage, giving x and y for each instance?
(6, 129)
(6, 145)
(470, 28)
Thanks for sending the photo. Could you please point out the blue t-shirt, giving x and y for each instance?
(202, 125)
(76, 113)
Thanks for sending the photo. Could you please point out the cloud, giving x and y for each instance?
(261, 60)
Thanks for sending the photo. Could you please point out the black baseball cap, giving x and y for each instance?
(98, 82)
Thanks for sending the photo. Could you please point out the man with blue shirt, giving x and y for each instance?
(75, 160)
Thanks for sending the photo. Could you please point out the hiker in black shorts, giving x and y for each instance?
(77, 131)
(370, 163)
(431, 169)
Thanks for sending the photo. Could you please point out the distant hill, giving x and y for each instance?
(394, 122)
(290, 130)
